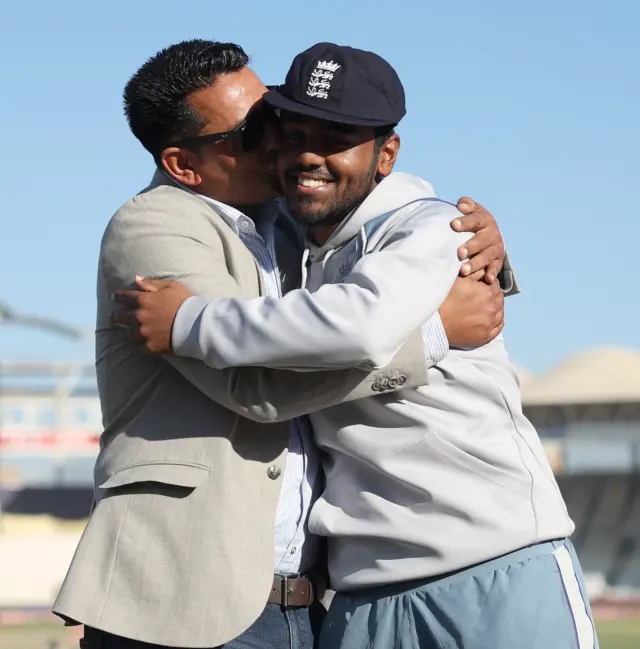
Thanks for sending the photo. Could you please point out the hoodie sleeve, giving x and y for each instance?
(389, 294)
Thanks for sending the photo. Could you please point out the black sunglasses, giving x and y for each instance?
(245, 137)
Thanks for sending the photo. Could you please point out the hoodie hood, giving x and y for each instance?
(395, 191)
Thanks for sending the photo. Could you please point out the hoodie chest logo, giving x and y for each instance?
(350, 256)
(345, 269)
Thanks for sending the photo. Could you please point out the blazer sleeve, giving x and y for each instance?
(190, 250)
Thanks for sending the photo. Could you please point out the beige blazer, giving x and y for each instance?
(178, 549)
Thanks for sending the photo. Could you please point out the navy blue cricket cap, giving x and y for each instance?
(341, 84)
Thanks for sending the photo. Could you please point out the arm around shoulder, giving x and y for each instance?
(363, 321)
(159, 242)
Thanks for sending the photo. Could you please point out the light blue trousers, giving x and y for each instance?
(533, 598)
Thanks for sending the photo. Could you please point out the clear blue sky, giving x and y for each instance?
(531, 108)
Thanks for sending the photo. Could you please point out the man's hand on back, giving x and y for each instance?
(473, 313)
(485, 250)
(148, 313)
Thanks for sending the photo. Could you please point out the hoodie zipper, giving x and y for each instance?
(306, 265)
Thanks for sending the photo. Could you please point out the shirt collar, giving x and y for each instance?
(232, 216)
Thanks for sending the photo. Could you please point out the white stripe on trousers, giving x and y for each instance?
(582, 621)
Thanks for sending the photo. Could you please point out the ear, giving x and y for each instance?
(181, 165)
(388, 155)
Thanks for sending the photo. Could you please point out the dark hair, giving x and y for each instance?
(155, 98)
(381, 135)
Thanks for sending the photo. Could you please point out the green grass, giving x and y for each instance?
(36, 636)
(619, 634)
(613, 634)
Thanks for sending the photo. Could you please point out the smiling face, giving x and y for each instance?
(328, 169)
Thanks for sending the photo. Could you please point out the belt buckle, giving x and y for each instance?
(285, 593)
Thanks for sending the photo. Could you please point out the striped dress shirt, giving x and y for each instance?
(295, 549)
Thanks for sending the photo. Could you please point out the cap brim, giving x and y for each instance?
(277, 100)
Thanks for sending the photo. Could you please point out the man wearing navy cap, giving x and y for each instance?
(446, 527)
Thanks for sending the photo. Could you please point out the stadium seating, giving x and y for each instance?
(606, 512)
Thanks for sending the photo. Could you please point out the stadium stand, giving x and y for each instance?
(589, 407)
(586, 409)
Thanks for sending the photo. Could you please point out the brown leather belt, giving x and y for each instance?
(296, 591)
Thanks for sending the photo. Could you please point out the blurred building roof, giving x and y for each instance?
(600, 375)
(525, 376)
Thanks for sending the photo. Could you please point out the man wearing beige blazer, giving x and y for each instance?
(194, 480)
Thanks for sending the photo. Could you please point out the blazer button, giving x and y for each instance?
(402, 379)
(274, 472)
(385, 384)
(376, 387)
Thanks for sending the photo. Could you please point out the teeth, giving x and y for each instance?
(311, 182)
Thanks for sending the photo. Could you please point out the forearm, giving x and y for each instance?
(359, 323)
(152, 249)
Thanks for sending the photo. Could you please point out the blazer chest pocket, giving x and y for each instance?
(177, 474)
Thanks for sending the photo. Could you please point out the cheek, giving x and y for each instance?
(246, 173)
(285, 159)
(250, 164)
(232, 167)
(216, 166)
(348, 166)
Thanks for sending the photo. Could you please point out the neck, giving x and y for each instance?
(252, 211)
(321, 233)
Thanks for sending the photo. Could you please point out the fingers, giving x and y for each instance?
(495, 302)
(481, 261)
(478, 242)
(477, 276)
(151, 285)
(143, 335)
(466, 205)
(149, 347)
(128, 321)
(493, 270)
(129, 299)
(474, 221)
(123, 318)
(484, 243)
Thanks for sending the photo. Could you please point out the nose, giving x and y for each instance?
(309, 159)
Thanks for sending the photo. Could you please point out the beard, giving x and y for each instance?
(338, 208)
